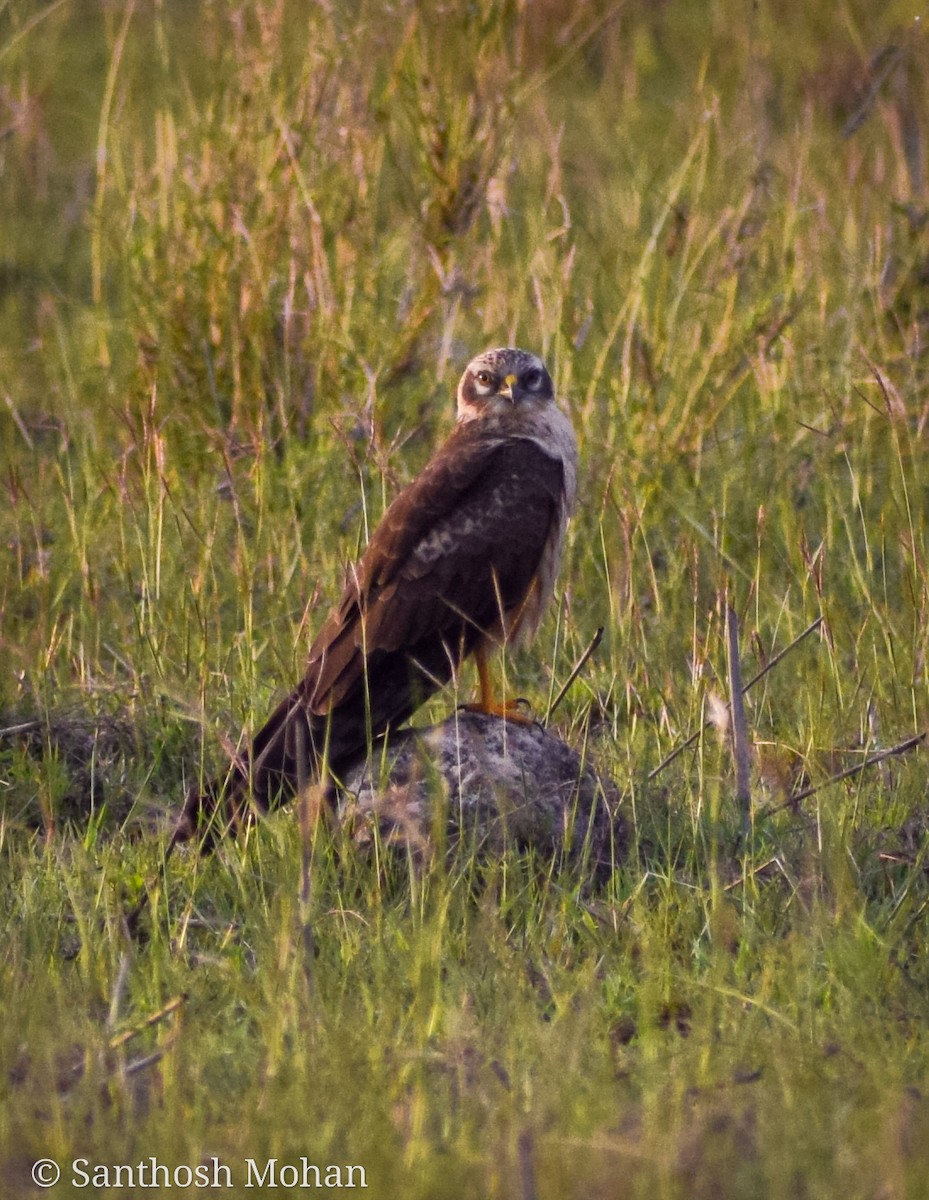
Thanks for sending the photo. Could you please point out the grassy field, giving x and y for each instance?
(246, 251)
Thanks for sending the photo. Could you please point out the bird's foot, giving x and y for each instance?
(516, 710)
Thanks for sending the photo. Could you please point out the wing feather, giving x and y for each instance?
(464, 538)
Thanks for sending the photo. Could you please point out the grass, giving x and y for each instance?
(248, 251)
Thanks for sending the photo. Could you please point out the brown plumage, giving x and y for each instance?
(462, 561)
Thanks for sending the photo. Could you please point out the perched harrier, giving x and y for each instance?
(464, 560)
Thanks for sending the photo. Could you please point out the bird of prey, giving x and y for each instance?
(463, 561)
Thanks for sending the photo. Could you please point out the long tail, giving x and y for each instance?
(298, 746)
(292, 749)
(285, 754)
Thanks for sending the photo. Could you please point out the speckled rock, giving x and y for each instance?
(485, 783)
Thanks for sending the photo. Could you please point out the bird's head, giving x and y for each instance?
(499, 381)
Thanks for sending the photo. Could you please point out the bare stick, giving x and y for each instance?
(303, 785)
(576, 670)
(525, 1149)
(16, 730)
(769, 666)
(308, 808)
(740, 751)
(119, 988)
(148, 1060)
(871, 761)
(152, 1019)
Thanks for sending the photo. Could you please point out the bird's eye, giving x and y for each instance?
(532, 380)
(485, 379)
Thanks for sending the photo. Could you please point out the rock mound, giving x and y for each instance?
(486, 783)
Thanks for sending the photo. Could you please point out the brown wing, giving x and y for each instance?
(465, 538)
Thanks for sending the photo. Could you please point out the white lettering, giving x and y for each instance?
(150, 1173)
(261, 1178)
(207, 1178)
(273, 1174)
(211, 1173)
(159, 1174)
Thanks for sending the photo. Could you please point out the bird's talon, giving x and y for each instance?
(509, 710)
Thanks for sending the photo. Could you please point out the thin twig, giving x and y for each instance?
(152, 1019)
(769, 666)
(308, 811)
(525, 1147)
(742, 879)
(740, 750)
(576, 670)
(29, 25)
(119, 987)
(15, 730)
(149, 1060)
(882, 65)
(848, 773)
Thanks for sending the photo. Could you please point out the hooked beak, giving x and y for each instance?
(506, 388)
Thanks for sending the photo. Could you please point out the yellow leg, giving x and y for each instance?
(488, 703)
